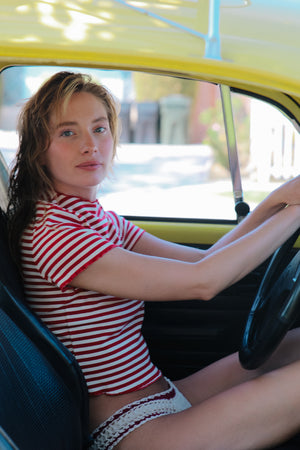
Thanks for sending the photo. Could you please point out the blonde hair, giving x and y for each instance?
(29, 178)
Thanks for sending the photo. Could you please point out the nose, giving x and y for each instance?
(88, 144)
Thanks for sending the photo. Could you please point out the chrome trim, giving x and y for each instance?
(241, 207)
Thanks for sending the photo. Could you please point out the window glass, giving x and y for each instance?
(172, 159)
(274, 151)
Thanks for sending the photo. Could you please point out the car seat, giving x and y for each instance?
(43, 395)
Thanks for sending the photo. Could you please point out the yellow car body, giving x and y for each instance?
(251, 44)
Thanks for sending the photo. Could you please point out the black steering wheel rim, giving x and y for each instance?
(275, 308)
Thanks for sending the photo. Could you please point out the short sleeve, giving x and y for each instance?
(64, 248)
(129, 233)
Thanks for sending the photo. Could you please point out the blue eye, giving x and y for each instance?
(67, 133)
(100, 130)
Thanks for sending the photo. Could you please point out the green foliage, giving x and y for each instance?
(215, 134)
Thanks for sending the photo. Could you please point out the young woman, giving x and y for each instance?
(87, 273)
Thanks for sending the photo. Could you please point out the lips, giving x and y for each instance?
(89, 165)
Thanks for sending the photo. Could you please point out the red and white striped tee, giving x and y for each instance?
(103, 332)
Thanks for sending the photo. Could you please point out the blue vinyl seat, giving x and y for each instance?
(43, 395)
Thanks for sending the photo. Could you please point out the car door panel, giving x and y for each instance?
(185, 336)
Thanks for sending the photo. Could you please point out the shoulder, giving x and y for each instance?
(61, 211)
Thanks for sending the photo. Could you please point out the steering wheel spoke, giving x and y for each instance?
(275, 308)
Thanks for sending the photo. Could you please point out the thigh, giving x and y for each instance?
(252, 415)
(228, 372)
(214, 379)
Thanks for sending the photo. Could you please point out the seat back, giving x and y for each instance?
(43, 395)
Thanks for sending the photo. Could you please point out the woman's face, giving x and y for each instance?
(81, 149)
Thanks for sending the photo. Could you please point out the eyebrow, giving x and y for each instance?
(71, 123)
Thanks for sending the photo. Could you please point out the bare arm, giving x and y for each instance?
(153, 246)
(287, 194)
(133, 275)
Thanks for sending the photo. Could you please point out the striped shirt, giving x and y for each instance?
(103, 332)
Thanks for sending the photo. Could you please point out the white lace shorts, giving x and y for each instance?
(107, 435)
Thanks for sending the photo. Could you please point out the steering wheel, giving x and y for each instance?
(275, 307)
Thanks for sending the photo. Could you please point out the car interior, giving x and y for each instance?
(43, 396)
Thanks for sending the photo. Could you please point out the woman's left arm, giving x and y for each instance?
(154, 246)
(286, 194)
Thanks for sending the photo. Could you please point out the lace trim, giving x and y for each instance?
(132, 416)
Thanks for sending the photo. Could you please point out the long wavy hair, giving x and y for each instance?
(29, 179)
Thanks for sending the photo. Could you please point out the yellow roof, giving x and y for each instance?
(252, 44)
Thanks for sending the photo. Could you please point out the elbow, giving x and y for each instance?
(209, 281)
(207, 295)
(205, 284)
(207, 292)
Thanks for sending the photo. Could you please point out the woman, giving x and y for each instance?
(83, 268)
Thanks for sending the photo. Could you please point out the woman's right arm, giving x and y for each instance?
(128, 274)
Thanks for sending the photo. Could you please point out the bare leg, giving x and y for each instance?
(227, 372)
(252, 415)
(233, 408)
